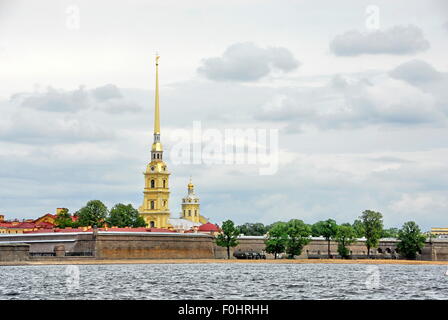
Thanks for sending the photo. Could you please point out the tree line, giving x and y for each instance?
(96, 213)
(290, 237)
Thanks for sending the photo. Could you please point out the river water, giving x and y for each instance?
(225, 281)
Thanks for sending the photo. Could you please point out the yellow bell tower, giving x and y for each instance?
(156, 193)
(190, 205)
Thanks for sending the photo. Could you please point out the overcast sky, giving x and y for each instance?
(359, 98)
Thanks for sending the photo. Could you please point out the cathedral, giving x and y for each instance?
(155, 207)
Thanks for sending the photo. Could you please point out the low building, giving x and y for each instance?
(209, 228)
(439, 232)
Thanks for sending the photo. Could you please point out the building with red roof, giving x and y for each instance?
(209, 228)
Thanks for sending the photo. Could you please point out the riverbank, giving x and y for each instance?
(220, 261)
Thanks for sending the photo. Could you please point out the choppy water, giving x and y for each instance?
(224, 281)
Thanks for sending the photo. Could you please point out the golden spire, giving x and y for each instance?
(157, 146)
(157, 111)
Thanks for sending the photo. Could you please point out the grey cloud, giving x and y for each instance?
(56, 100)
(416, 72)
(395, 40)
(106, 92)
(120, 106)
(107, 98)
(388, 159)
(247, 62)
(349, 103)
(35, 128)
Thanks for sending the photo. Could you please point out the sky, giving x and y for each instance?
(355, 89)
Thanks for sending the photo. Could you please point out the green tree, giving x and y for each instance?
(63, 219)
(390, 233)
(411, 240)
(122, 215)
(373, 228)
(93, 214)
(358, 226)
(277, 239)
(326, 229)
(345, 236)
(298, 236)
(227, 238)
(252, 229)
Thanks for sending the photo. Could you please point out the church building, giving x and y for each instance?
(155, 207)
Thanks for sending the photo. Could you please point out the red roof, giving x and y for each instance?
(141, 229)
(159, 230)
(71, 230)
(45, 225)
(6, 224)
(25, 225)
(208, 227)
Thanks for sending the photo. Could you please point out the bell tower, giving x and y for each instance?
(156, 193)
(190, 205)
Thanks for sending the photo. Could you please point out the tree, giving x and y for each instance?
(277, 239)
(253, 229)
(227, 238)
(390, 233)
(373, 228)
(411, 240)
(63, 219)
(345, 236)
(93, 214)
(122, 215)
(326, 229)
(358, 226)
(298, 236)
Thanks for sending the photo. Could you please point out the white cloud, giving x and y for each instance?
(416, 72)
(395, 40)
(247, 62)
(354, 103)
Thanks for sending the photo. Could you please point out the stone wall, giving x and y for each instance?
(114, 245)
(436, 250)
(148, 245)
(14, 252)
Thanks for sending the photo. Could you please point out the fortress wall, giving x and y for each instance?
(14, 252)
(115, 245)
(42, 242)
(128, 245)
(437, 250)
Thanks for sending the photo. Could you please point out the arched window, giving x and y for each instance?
(153, 184)
(184, 212)
(189, 213)
(152, 224)
(152, 205)
(164, 183)
(196, 213)
(380, 250)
